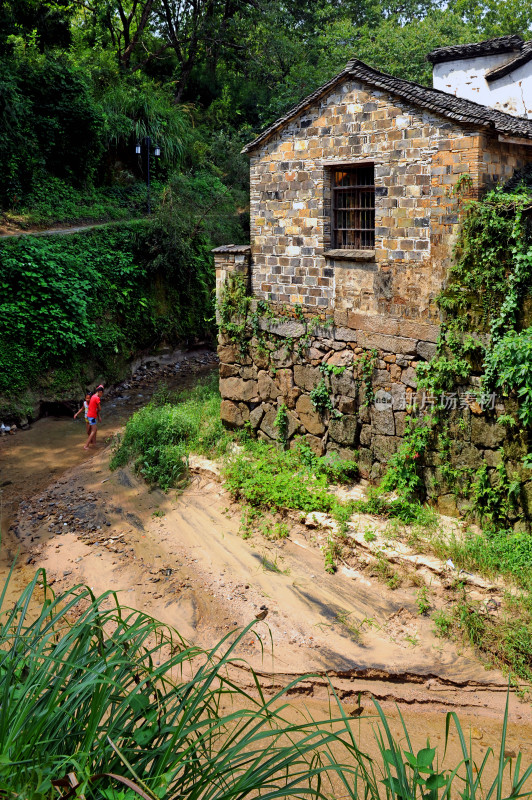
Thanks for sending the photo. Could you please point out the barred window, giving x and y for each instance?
(353, 203)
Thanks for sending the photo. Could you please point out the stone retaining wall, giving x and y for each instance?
(274, 369)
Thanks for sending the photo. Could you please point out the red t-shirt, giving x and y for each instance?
(94, 406)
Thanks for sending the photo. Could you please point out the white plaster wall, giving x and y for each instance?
(466, 78)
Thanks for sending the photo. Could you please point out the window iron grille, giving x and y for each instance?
(353, 190)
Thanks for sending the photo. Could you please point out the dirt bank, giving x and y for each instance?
(181, 558)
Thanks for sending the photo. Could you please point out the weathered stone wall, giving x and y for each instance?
(273, 371)
(499, 160)
(381, 300)
(418, 158)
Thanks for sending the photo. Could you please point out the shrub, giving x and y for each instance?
(511, 363)
(276, 479)
(52, 123)
(160, 435)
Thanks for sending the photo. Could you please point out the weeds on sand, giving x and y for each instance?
(106, 696)
(159, 437)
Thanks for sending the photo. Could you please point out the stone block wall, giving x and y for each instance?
(231, 259)
(379, 300)
(275, 370)
(418, 159)
(499, 160)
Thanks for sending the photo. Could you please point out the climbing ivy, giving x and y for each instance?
(483, 334)
(404, 470)
(232, 310)
(492, 501)
(321, 398)
(366, 365)
(281, 423)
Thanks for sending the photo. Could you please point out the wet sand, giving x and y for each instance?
(181, 558)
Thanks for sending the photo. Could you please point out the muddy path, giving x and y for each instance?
(32, 459)
(182, 559)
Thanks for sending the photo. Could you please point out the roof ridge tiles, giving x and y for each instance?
(443, 103)
(521, 58)
(501, 44)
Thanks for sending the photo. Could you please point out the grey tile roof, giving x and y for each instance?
(517, 61)
(504, 44)
(237, 249)
(458, 109)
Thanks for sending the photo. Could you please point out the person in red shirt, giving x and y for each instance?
(93, 417)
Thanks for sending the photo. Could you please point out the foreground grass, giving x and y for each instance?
(97, 698)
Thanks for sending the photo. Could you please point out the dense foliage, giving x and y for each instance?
(81, 82)
(86, 303)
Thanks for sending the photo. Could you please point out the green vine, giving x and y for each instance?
(492, 501)
(281, 423)
(366, 365)
(233, 309)
(321, 398)
(404, 475)
(332, 369)
(483, 312)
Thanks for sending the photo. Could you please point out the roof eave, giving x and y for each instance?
(293, 112)
(359, 71)
(502, 70)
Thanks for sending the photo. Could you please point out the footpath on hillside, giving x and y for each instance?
(10, 231)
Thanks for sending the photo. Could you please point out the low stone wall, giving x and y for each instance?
(287, 360)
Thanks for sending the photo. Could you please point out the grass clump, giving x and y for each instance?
(492, 553)
(159, 437)
(502, 634)
(408, 511)
(268, 477)
(96, 697)
(108, 694)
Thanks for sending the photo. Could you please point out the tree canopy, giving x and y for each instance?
(82, 80)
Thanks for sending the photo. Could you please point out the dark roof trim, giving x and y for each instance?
(504, 44)
(447, 105)
(514, 63)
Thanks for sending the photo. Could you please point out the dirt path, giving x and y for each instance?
(32, 459)
(182, 559)
(9, 230)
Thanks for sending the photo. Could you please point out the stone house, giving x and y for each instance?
(354, 205)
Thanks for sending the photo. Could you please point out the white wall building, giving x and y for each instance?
(496, 73)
